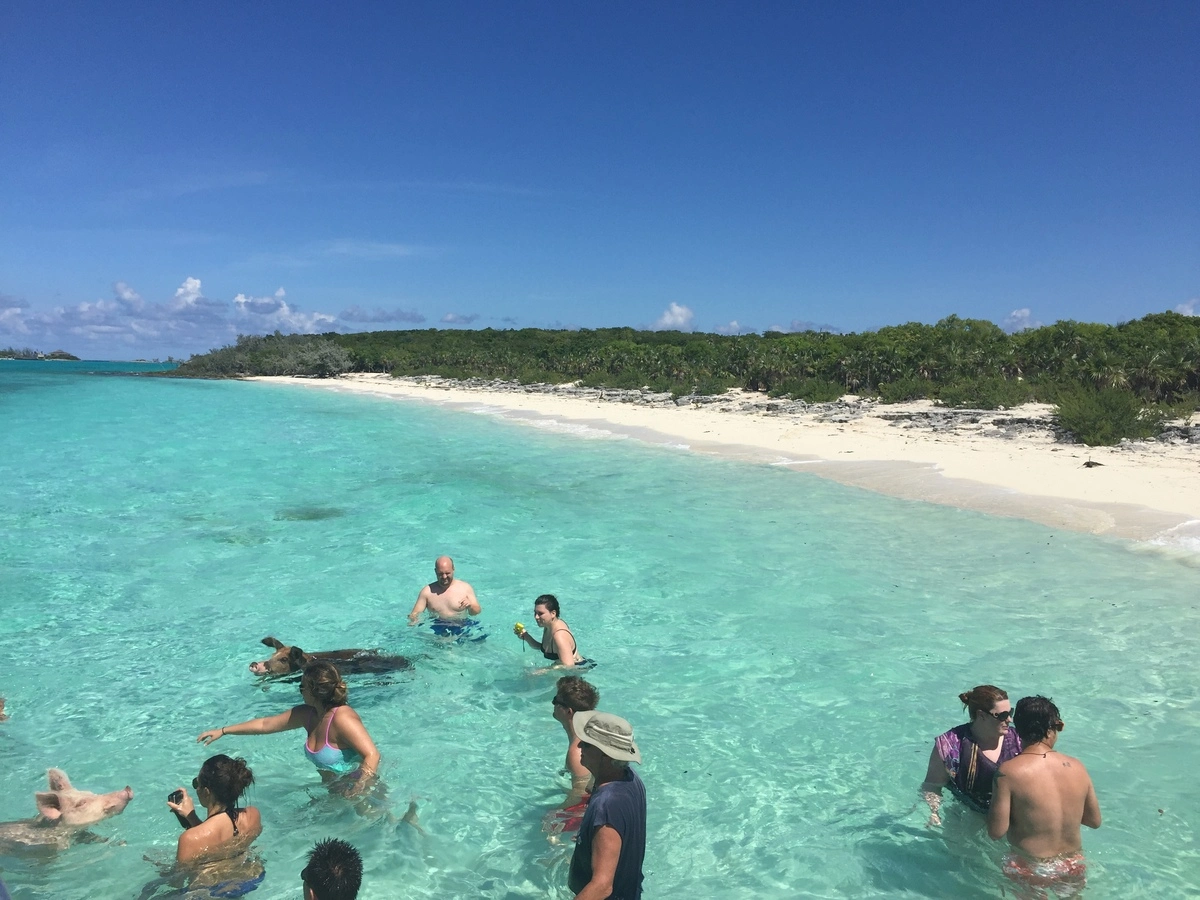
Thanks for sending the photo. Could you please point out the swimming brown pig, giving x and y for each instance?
(63, 812)
(286, 660)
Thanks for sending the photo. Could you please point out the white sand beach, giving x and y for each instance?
(1003, 463)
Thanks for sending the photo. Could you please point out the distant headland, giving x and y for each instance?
(29, 353)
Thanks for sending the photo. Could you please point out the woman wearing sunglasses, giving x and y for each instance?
(966, 757)
(213, 852)
(337, 744)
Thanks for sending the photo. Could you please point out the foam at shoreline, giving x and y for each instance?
(1004, 463)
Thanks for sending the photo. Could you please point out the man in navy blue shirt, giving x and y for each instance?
(607, 864)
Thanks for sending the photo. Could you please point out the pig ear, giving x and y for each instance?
(58, 780)
(48, 805)
(272, 643)
(297, 658)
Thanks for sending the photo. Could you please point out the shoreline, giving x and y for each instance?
(1000, 462)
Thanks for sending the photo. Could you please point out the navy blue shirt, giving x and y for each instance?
(622, 806)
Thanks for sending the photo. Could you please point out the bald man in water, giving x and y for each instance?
(1040, 800)
(449, 599)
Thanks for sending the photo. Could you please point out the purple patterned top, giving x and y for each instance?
(972, 773)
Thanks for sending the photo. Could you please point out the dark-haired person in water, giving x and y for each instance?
(213, 852)
(558, 643)
(1042, 797)
(967, 756)
(221, 782)
(334, 871)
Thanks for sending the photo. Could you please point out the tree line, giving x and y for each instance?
(1150, 366)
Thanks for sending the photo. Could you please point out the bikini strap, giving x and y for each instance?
(330, 723)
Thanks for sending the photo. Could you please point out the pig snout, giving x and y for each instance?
(117, 800)
(258, 668)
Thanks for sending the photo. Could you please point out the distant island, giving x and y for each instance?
(29, 353)
(1108, 381)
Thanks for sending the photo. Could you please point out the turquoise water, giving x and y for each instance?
(787, 648)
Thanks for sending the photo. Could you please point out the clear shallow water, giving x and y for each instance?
(787, 648)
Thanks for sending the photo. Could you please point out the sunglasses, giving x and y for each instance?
(561, 703)
(196, 783)
(1001, 716)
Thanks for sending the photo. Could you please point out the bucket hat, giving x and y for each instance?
(612, 734)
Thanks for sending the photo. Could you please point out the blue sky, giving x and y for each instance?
(173, 174)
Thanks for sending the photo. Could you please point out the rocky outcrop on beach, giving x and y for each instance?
(1032, 420)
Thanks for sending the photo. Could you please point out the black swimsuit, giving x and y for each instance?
(553, 654)
(232, 813)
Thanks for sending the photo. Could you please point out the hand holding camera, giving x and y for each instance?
(181, 804)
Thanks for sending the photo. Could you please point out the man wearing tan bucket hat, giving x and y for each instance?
(612, 839)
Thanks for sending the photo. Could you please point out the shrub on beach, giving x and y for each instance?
(906, 389)
(811, 390)
(1102, 418)
(984, 393)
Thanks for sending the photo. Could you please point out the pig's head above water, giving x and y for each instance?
(64, 805)
(283, 661)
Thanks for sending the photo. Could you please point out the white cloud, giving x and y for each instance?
(732, 328)
(1189, 308)
(128, 296)
(187, 293)
(1020, 320)
(674, 318)
(459, 319)
(273, 313)
(129, 325)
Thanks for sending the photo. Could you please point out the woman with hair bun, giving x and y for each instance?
(337, 743)
(227, 828)
(967, 756)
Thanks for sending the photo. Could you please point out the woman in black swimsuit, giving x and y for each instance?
(557, 643)
(227, 828)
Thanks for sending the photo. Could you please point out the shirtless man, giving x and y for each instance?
(1041, 798)
(449, 600)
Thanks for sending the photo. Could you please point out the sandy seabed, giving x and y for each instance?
(1143, 491)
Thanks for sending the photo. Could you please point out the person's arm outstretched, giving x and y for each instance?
(296, 717)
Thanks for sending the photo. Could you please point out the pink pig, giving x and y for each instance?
(62, 812)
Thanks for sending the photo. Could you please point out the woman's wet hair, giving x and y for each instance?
(325, 683)
(1034, 718)
(549, 601)
(576, 693)
(982, 698)
(226, 778)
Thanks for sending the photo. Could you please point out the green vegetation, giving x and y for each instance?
(271, 354)
(30, 353)
(1101, 418)
(1148, 364)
